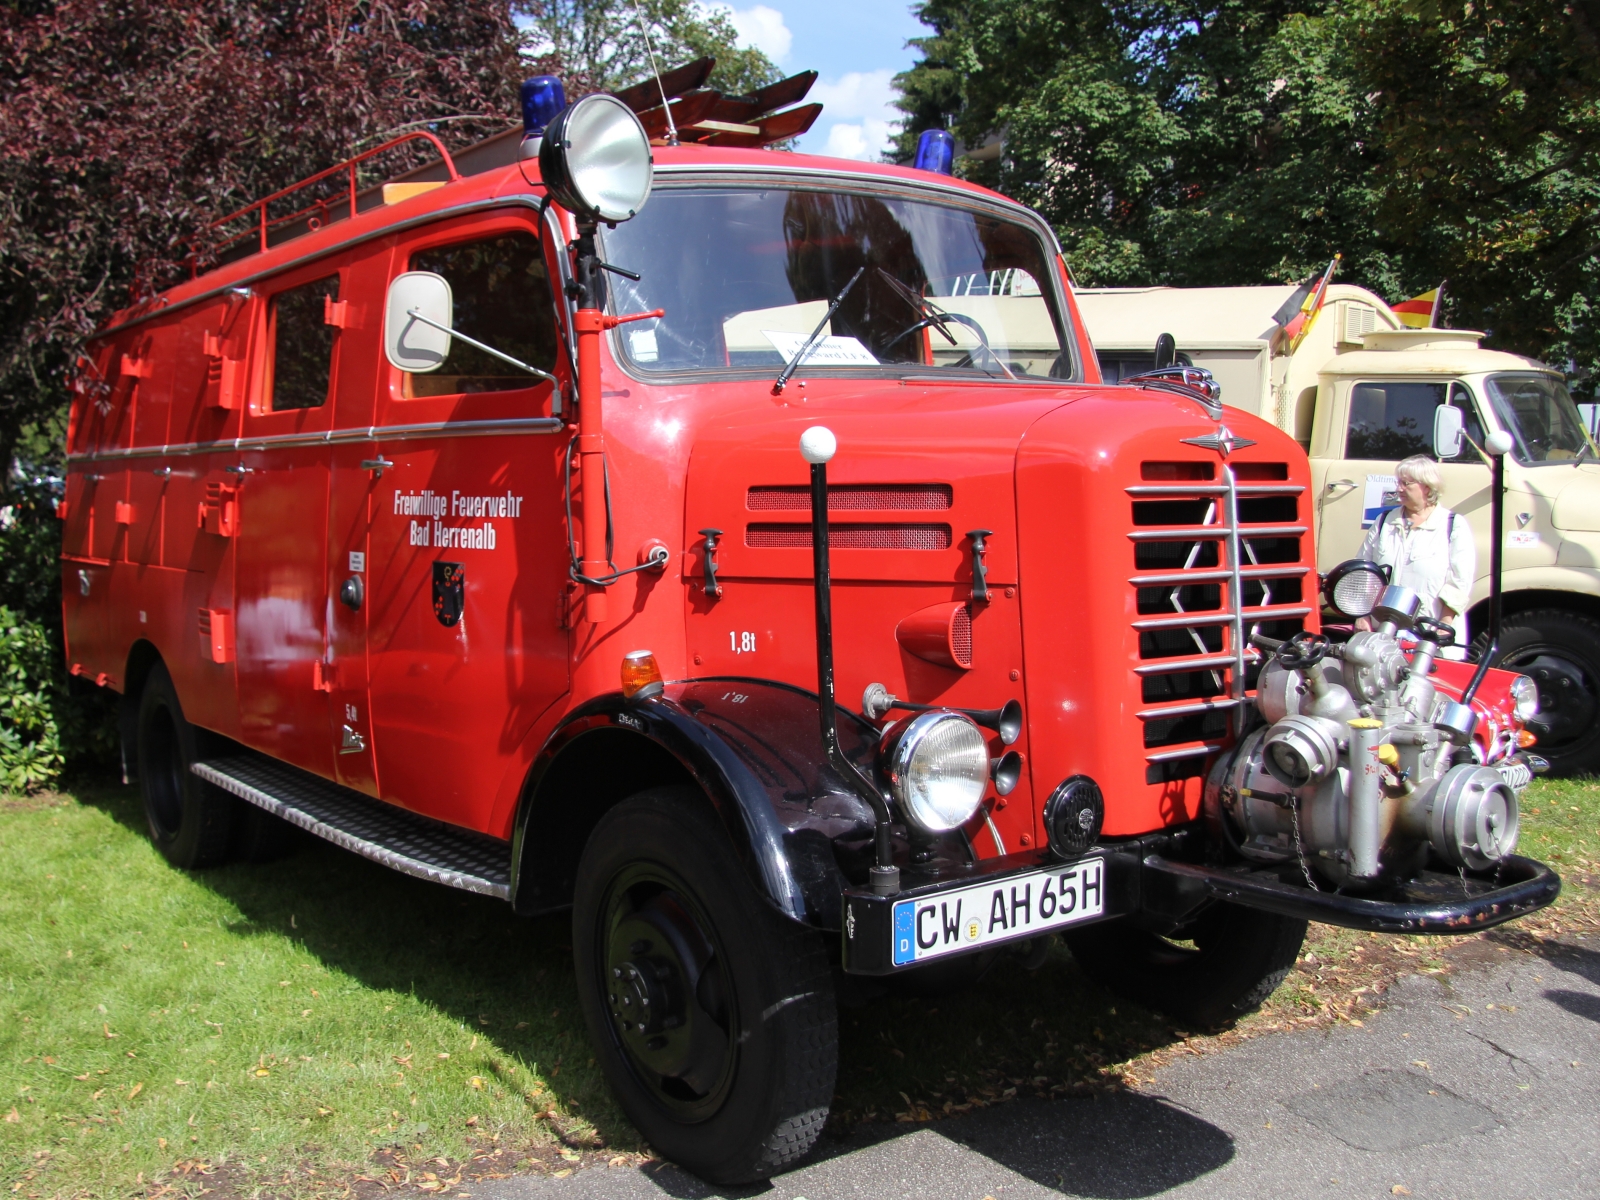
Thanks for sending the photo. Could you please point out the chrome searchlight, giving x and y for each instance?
(1353, 587)
(938, 766)
(596, 161)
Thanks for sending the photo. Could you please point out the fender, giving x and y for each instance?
(752, 746)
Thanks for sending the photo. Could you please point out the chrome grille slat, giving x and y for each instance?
(1273, 571)
(1174, 666)
(1210, 533)
(1220, 617)
(1176, 708)
(1215, 704)
(1194, 751)
(1215, 489)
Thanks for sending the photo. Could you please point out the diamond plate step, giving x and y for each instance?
(414, 845)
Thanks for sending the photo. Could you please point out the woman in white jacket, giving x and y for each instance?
(1426, 547)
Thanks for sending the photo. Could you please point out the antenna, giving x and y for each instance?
(666, 105)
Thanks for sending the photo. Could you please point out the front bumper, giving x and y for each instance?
(1136, 880)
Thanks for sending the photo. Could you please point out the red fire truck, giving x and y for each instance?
(742, 551)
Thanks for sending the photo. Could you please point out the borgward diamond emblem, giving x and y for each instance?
(1224, 441)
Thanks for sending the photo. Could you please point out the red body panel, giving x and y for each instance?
(446, 718)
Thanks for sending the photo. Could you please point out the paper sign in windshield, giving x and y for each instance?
(830, 351)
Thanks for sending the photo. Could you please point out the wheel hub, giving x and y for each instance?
(1567, 701)
(665, 998)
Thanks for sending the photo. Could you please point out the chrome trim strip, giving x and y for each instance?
(334, 437)
(1207, 533)
(1219, 703)
(1222, 617)
(1196, 751)
(1211, 489)
(1272, 572)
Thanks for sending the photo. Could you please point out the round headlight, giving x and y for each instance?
(938, 766)
(1524, 697)
(1353, 587)
(595, 159)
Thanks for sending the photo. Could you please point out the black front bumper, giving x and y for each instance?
(1163, 893)
(1435, 902)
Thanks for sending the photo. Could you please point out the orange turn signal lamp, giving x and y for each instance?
(1526, 739)
(641, 677)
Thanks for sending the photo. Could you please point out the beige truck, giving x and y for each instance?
(1360, 393)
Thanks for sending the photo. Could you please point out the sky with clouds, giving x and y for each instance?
(856, 46)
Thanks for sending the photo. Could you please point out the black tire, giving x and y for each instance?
(731, 1072)
(1561, 652)
(190, 821)
(1239, 957)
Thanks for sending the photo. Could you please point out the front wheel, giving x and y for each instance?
(1235, 958)
(712, 1014)
(1560, 651)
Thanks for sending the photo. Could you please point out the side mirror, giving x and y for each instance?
(1447, 427)
(416, 321)
(1166, 351)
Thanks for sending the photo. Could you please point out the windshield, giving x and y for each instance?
(1539, 414)
(746, 274)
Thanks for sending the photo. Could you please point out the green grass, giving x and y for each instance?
(277, 1017)
(1561, 825)
(308, 1007)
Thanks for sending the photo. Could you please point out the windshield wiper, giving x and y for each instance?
(930, 314)
(793, 364)
(1586, 448)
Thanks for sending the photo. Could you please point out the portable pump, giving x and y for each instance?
(1363, 767)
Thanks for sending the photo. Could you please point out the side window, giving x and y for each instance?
(302, 344)
(1393, 420)
(502, 299)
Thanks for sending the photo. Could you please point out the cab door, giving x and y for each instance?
(1378, 423)
(357, 478)
(277, 490)
(466, 564)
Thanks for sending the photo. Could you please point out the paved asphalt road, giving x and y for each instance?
(1486, 1085)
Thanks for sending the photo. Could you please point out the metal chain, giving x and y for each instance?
(1299, 846)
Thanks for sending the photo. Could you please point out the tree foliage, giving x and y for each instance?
(603, 41)
(1233, 142)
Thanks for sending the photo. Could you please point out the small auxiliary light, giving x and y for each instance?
(542, 98)
(936, 150)
(641, 678)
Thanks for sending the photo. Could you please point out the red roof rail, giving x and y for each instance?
(314, 215)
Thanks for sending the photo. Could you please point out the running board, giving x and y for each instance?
(411, 844)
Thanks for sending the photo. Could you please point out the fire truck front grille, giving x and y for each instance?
(1215, 558)
(874, 536)
(853, 497)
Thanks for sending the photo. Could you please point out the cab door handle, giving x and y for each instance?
(1340, 483)
(351, 593)
(379, 464)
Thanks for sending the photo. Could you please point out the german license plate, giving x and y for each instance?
(982, 914)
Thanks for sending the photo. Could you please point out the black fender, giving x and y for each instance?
(753, 747)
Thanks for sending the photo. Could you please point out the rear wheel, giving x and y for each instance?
(1560, 651)
(190, 820)
(712, 1014)
(1221, 965)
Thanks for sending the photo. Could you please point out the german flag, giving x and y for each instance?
(1301, 309)
(1421, 312)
